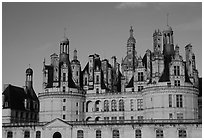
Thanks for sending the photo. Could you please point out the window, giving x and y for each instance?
(140, 88)
(38, 134)
(106, 105)
(77, 112)
(27, 134)
(97, 90)
(138, 133)
(139, 104)
(9, 134)
(80, 133)
(182, 133)
(176, 70)
(77, 73)
(159, 134)
(64, 77)
(170, 100)
(98, 133)
(140, 76)
(179, 101)
(114, 119)
(179, 116)
(64, 108)
(170, 116)
(177, 83)
(64, 100)
(97, 79)
(140, 118)
(106, 119)
(121, 119)
(131, 104)
(63, 90)
(113, 105)
(63, 116)
(116, 134)
(77, 104)
(121, 105)
(85, 81)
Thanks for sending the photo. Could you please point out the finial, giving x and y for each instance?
(167, 15)
(131, 31)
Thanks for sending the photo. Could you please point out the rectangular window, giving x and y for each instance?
(64, 108)
(64, 100)
(140, 118)
(97, 79)
(177, 82)
(77, 112)
(131, 104)
(170, 116)
(64, 77)
(63, 90)
(106, 119)
(121, 119)
(139, 104)
(77, 104)
(140, 76)
(85, 81)
(176, 70)
(77, 73)
(27, 134)
(63, 116)
(179, 116)
(140, 88)
(179, 101)
(170, 100)
(114, 119)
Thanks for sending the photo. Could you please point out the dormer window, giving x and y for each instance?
(176, 70)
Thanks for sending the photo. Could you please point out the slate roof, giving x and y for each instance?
(165, 74)
(15, 97)
(131, 83)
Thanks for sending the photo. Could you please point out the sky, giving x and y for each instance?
(32, 32)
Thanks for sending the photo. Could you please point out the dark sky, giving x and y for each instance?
(32, 31)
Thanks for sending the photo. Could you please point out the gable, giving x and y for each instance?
(57, 123)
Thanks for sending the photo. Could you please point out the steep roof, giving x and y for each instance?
(131, 83)
(15, 97)
(165, 74)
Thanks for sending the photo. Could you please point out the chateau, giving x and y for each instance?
(153, 96)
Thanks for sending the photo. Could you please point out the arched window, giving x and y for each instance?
(113, 105)
(9, 134)
(106, 105)
(116, 134)
(159, 133)
(121, 105)
(80, 133)
(98, 133)
(27, 134)
(138, 133)
(38, 134)
(182, 133)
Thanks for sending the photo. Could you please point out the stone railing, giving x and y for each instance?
(110, 122)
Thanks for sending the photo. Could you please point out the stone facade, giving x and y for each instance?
(151, 96)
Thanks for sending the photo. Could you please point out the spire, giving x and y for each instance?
(167, 15)
(65, 32)
(75, 54)
(131, 31)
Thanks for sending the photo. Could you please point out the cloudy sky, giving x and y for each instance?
(32, 32)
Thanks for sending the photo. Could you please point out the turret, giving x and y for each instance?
(29, 78)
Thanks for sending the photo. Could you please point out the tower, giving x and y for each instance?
(29, 78)
(168, 43)
(76, 68)
(157, 41)
(131, 43)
